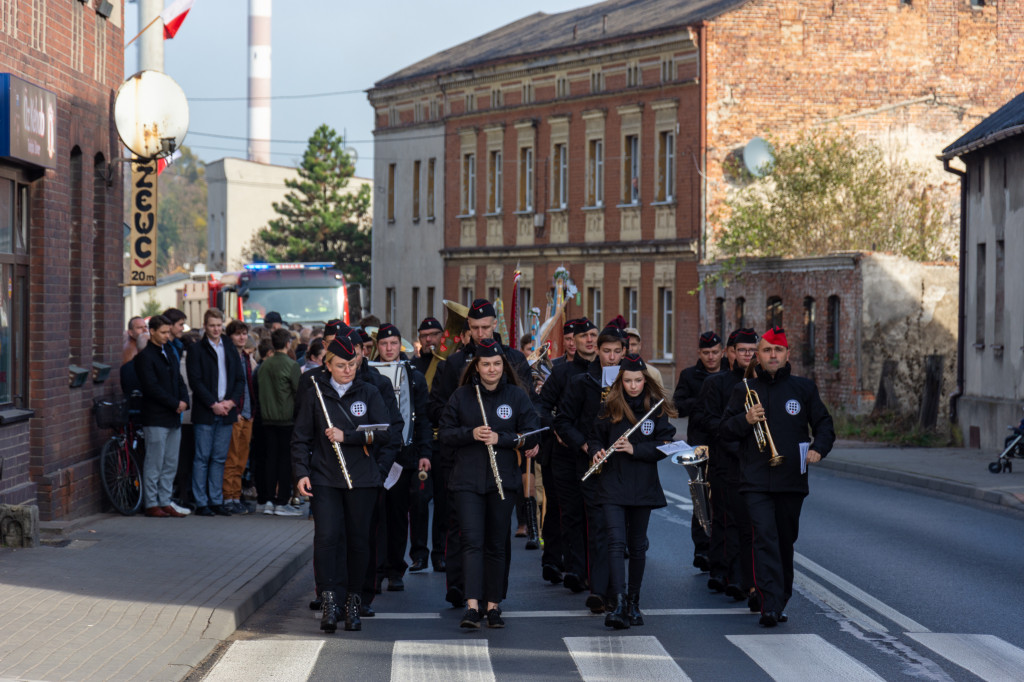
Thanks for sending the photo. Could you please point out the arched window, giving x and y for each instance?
(832, 340)
(809, 332)
(741, 312)
(773, 312)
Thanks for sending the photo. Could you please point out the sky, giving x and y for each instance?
(317, 47)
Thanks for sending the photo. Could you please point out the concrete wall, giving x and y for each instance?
(406, 251)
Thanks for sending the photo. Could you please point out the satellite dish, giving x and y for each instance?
(151, 114)
(758, 157)
(353, 155)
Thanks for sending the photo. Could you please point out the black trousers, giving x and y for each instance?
(552, 532)
(453, 545)
(275, 481)
(396, 505)
(186, 453)
(776, 521)
(341, 537)
(731, 554)
(420, 494)
(376, 548)
(597, 537)
(573, 520)
(485, 523)
(442, 514)
(626, 526)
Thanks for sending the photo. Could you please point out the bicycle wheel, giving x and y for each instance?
(121, 476)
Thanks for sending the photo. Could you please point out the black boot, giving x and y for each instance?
(636, 616)
(618, 617)
(352, 621)
(532, 539)
(329, 612)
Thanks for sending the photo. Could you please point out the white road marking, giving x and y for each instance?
(407, 616)
(613, 659)
(450, 660)
(796, 658)
(647, 612)
(677, 497)
(266, 660)
(987, 656)
(832, 600)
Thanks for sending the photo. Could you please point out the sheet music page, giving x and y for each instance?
(392, 479)
(804, 447)
(608, 375)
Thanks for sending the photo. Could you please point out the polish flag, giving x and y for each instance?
(162, 164)
(174, 15)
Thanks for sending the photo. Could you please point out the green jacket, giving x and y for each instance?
(278, 382)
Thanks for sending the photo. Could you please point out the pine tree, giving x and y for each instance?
(321, 221)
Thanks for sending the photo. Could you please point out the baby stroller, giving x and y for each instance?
(1014, 448)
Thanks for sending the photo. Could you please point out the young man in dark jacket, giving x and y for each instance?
(216, 378)
(278, 383)
(164, 399)
(791, 410)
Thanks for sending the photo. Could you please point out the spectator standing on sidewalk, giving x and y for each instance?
(136, 331)
(278, 384)
(164, 399)
(216, 378)
(241, 430)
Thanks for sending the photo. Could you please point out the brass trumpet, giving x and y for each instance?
(762, 434)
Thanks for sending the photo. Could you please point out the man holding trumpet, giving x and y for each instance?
(782, 425)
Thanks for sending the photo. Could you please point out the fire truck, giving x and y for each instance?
(307, 293)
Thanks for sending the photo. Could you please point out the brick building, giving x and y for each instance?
(60, 246)
(596, 138)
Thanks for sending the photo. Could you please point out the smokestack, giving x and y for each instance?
(259, 81)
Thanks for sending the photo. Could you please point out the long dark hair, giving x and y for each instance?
(506, 369)
(616, 406)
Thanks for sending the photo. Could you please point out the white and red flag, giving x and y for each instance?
(174, 15)
(162, 164)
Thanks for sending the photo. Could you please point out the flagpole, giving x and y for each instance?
(142, 31)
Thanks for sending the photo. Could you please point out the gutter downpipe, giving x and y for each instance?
(703, 143)
(954, 399)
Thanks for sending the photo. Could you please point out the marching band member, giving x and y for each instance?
(341, 511)
(628, 483)
(790, 412)
(482, 422)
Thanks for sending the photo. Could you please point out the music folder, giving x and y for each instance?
(372, 427)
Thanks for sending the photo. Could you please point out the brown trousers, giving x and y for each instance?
(238, 455)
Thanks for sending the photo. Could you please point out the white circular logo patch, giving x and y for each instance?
(793, 407)
(647, 428)
(505, 411)
(358, 408)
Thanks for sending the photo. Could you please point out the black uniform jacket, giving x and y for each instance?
(632, 480)
(711, 403)
(314, 456)
(551, 395)
(509, 413)
(162, 386)
(201, 365)
(795, 412)
(686, 398)
(389, 451)
(421, 433)
(578, 408)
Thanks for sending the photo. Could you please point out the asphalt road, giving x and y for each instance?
(892, 584)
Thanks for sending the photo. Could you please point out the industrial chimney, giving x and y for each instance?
(259, 81)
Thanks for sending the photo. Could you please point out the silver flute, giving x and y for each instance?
(596, 466)
(337, 446)
(490, 448)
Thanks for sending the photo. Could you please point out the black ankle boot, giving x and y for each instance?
(352, 621)
(618, 617)
(329, 612)
(636, 616)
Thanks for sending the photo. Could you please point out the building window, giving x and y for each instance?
(666, 166)
(99, 68)
(14, 218)
(809, 335)
(741, 313)
(389, 304)
(99, 252)
(493, 294)
(668, 70)
(720, 316)
(416, 190)
(77, 36)
(470, 101)
(433, 109)
(597, 81)
(562, 87)
(525, 301)
(978, 3)
(393, 119)
(631, 170)
(417, 112)
(9, 16)
(528, 95)
(560, 176)
(594, 304)
(76, 262)
(631, 300)
(391, 192)
(997, 314)
(467, 296)
(496, 98)
(494, 178)
(430, 303)
(37, 28)
(979, 299)
(665, 338)
(431, 163)
(632, 75)
(595, 173)
(773, 312)
(415, 307)
(526, 179)
(468, 184)
(832, 336)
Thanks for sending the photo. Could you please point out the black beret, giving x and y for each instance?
(611, 334)
(272, 317)
(354, 336)
(568, 327)
(387, 330)
(342, 347)
(583, 325)
(619, 322)
(429, 323)
(334, 327)
(488, 348)
(481, 308)
(363, 336)
(745, 335)
(709, 340)
(632, 363)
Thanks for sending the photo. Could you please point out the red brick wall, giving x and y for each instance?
(54, 457)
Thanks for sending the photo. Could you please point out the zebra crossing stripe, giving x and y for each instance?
(451, 660)
(266, 660)
(987, 656)
(613, 659)
(796, 658)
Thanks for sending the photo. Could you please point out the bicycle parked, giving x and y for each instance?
(122, 455)
(1013, 448)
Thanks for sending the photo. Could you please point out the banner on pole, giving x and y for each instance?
(142, 222)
